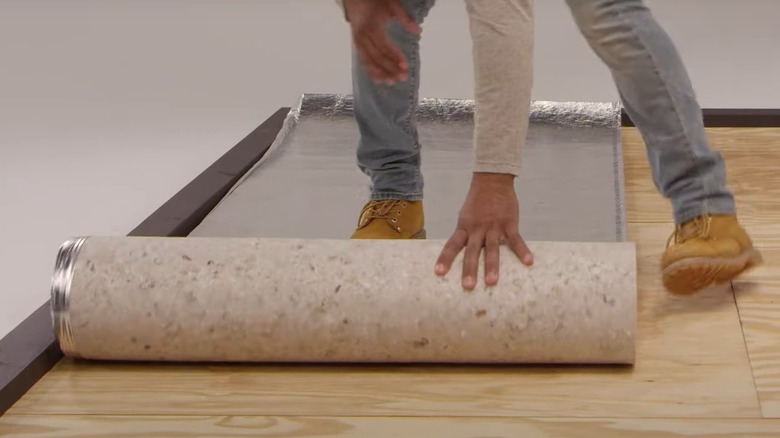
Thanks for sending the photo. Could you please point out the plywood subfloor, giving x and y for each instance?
(707, 364)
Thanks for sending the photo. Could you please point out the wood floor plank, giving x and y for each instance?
(751, 157)
(67, 426)
(761, 325)
(684, 346)
(758, 300)
(763, 283)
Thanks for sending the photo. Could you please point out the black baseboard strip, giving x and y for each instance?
(26, 355)
(29, 351)
(732, 118)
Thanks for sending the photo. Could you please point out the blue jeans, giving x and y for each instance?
(651, 79)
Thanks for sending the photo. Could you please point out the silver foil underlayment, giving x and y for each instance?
(308, 185)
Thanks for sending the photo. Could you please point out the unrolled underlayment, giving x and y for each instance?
(318, 300)
(308, 186)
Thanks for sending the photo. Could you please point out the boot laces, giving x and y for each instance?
(698, 227)
(382, 209)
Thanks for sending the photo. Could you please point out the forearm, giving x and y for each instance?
(502, 34)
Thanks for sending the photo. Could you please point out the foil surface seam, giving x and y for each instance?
(443, 110)
(621, 225)
(290, 121)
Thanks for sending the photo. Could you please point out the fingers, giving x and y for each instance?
(383, 60)
(451, 250)
(520, 248)
(471, 260)
(492, 244)
(367, 58)
(492, 254)
(392, 58)
(473, 243)
(378, 59)
(398, 12)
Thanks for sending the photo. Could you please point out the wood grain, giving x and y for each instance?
(376, 427)
(761, 325)
(758, 300)
(678, 361)
(751, 156)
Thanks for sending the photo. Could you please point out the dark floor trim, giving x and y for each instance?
(732, 118)
(29, 351)
(26, 355)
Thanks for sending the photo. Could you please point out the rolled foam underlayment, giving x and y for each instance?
(270, 275)
(322, 300)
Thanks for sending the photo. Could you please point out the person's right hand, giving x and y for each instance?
(489, 217)
(383, 61)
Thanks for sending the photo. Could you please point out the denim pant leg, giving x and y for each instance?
(388, 151)
(657, 94)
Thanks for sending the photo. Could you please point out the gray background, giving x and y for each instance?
(100, 98)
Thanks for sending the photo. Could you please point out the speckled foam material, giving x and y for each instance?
(320, 300)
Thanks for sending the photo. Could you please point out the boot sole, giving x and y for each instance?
(420, 234)
(691, 275)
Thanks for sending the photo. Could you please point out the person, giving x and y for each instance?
(708, 245)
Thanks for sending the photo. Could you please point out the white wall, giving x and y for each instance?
(98, 98)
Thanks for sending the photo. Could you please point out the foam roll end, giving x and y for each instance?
(60, 293)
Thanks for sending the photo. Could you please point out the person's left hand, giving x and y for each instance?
(383, 60)
(489, 216)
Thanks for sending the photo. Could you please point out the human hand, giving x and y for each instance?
(489, 216)
(383, 61)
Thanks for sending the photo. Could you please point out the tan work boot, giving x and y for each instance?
(707, 250)
(391, 219)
